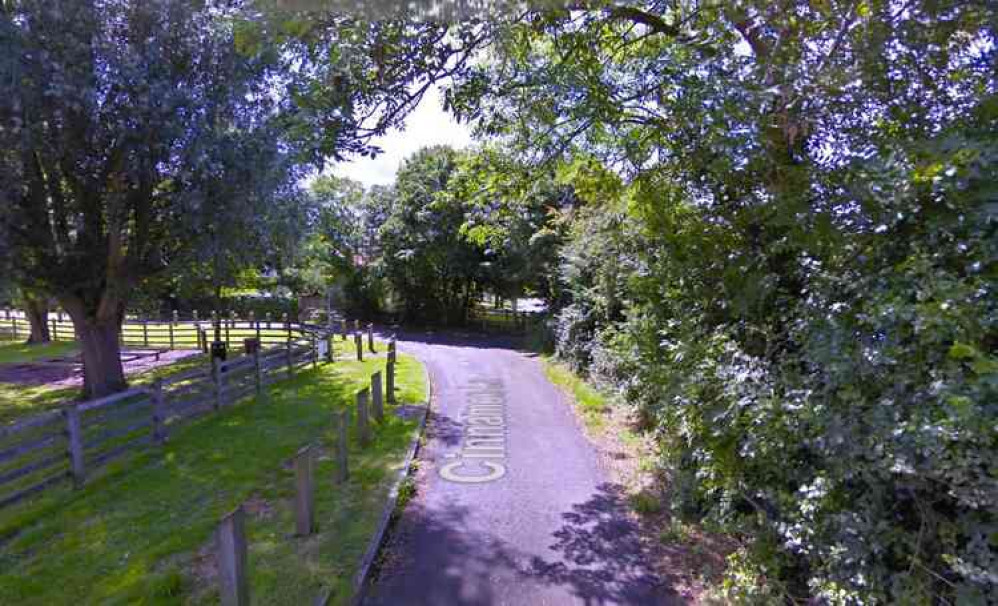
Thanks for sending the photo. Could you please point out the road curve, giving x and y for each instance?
(512, 506)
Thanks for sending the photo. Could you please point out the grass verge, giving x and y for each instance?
(142, 532)
(591, 405)
(681, 549)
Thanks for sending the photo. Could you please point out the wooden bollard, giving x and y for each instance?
(304, 493)
(158, 413)
(216, 378)
(370, 337)
(330, 356)
(363, 425)
(360, 346)
(392, 351)
(230, 541)
(74, 435)
(377, 402)
(342, 446)
(390, 381)
(257, 370)
(343, 330)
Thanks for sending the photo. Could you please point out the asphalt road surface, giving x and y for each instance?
(513, 506)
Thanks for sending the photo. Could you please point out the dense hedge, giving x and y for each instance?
(824, 385)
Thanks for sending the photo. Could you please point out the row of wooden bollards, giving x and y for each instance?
(230, 537)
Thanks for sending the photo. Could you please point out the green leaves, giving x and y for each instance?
(785, 258)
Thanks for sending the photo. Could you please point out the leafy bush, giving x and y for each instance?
(829, 397)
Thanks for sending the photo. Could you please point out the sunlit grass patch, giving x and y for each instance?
(142, 532)
(588, 401)
(13, 352)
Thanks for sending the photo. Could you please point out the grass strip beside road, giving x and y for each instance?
(142, 532)
(590, 404)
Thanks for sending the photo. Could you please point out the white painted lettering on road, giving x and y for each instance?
(482, 457)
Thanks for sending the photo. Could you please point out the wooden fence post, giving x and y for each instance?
(216, 377)
(173, 322)
(230, 539)
(304, 493)
(377, 402)
(289, 359)
(363, 426)
(158, 413)
(330, 356)
(360, 346)
(315, 351)
(342, 418)
(370, 337)
(74, 434)
(14, 322)
(257, 371)
(343, 329)
(390, 381)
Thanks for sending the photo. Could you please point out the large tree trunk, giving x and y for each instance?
(103, 373)
(37, 311)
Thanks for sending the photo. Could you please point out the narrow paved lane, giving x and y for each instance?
(513, 506)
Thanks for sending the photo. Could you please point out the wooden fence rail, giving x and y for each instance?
(72, 443)
(175, 333)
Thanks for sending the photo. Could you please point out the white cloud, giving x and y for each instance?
(427, 125)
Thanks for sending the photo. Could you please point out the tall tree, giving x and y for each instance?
(431, 267)
(116, 111)
(133, 131)
(795, 279)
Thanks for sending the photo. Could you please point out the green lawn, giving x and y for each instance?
(12, 352)
(18, 400)
(141, 533)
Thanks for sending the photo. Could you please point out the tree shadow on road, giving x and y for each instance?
(443, 429)
(433, 559)
(604, 557)
(598, 557)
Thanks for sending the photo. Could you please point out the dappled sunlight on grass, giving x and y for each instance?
(133, 534)
(589, 402)
(19, 400)
(12, 352)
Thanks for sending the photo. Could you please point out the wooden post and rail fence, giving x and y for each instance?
(230, 536)
(70, 444)
(194, 332)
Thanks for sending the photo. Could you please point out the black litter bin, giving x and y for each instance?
(218, 350)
